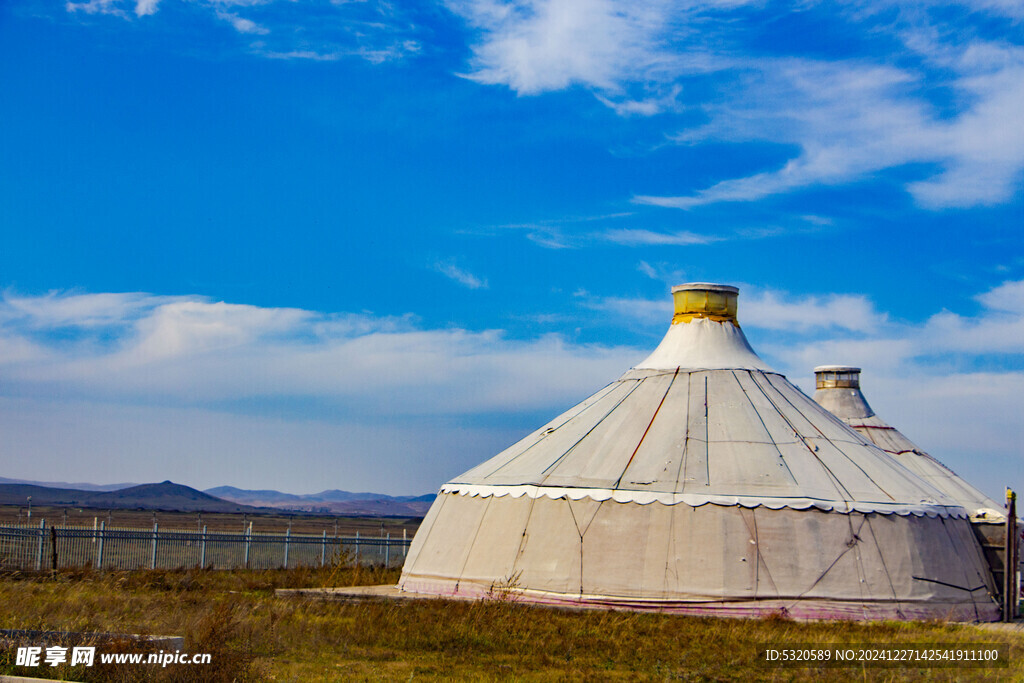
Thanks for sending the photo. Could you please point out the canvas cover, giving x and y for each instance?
(701, 481)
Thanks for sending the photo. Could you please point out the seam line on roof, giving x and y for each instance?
(852, 460)
(707, 445)
(686, 436)
(768, 434)
(607, 389)
(588, 432)
(840, 489)
(644, 435)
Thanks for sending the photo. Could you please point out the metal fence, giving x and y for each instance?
(40, 547)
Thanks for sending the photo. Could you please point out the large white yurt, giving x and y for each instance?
(702, 481)
(837, 389)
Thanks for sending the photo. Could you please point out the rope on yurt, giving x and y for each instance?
(763, 425)
(760, 558)
(885, 567)
(472, 543)
(840, 489)
(583, 532)
(953, 540)
(861, 572)
(849, 545)
(606, 390)
(524, 537)
(853, 461)
(595, 426)
(644, 436)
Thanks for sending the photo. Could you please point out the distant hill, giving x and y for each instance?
(170, 496)
(163, 496)
(78, 485)
(332, 501)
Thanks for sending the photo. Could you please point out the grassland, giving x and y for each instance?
(255, 636)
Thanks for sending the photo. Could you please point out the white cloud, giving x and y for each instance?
(773, 310)
(189, 351)
(241, 24)
(1008, 297)
(144, 8)
(635, 237)
(850, 118)
(541, 45)
(450, 270)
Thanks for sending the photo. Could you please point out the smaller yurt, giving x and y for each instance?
(837, 389)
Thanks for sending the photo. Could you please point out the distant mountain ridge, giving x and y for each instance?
(170, 496)
(163, 496)
(333, 501)
(77, 485)
(329, 496)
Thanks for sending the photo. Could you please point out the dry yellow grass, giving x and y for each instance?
(254, 635)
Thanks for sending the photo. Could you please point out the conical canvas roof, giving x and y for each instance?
(702, 480)
(838, 390)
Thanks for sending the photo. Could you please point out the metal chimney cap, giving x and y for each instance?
(706, 287)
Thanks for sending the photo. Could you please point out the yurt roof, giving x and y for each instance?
(704, 420)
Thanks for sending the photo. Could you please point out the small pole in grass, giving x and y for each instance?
(152, 561)
(53, 550)
(99, 551)
(39, 555)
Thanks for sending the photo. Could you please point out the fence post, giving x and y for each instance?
(39, 554)
(99, 554)
(357, 548)
(152, 562)
(248, 536)
(202, 550)
(405, 544)
(323, 549)
(287, 542)
(387, 550)
(1010, 596)
(53, 547)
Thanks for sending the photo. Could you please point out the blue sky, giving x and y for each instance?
(366, 245)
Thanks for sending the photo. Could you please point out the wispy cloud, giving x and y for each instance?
(241, 24)
(632, 237)
(376, 31)
(851, 118)
(452, 271)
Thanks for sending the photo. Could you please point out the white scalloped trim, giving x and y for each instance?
(922, 509)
